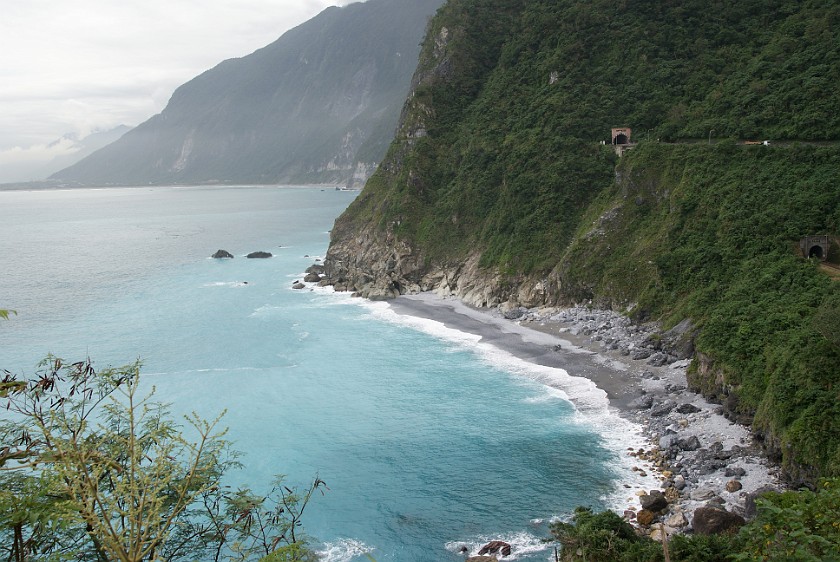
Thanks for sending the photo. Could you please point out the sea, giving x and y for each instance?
(428, 439)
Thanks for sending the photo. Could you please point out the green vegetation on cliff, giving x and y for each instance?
(498, 155)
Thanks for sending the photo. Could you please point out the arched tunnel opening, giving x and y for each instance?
(816, 252)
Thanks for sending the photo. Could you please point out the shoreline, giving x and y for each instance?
(701, 458)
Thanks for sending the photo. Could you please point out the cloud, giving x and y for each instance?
(20, 164)
(83, 65)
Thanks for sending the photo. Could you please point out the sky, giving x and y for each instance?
(80, 66)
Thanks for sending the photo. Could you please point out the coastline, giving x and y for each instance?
(699, 458)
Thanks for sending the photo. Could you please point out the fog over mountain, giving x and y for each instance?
(319, 105)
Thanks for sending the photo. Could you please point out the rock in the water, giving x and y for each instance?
(312, 278)
(482, 559)
(222, 254)
(259, 255)
(654, 501)
(298, 285)
(714, 521)
(494, 547)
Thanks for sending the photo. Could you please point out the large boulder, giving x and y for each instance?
(662, 409)
(713, 521)
(312, 278)
(691, 443)
(220, 254)
(495, 547)
(260, 255)
(654, 501)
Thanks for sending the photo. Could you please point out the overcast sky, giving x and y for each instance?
(77, 66)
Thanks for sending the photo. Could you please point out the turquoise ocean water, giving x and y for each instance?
(427, 438)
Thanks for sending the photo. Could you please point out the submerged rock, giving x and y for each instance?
(220, 254)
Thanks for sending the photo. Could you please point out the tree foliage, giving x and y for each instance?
(792, 526)
(93, 468)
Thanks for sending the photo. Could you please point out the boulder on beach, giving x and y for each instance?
(220, 254)
(259, 255)
(654, 501)
(713, 521)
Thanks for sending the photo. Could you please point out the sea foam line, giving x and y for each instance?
(343, 550)
(590, 402)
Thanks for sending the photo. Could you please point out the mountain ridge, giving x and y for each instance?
(296, 111)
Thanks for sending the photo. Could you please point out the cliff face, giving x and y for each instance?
(309, 108)
(497, 188)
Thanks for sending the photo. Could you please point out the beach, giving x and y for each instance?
(701, 458)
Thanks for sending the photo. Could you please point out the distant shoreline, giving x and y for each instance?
(61, 186)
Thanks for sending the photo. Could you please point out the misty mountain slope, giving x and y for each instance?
(298, 110)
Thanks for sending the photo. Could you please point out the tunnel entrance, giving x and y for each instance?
(816, 252)
(815, 247)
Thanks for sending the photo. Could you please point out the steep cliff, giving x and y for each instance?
(498, 189)
(319, 105)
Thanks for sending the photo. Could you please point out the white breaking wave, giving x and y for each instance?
(521, 544)
(591, 403)
(343, 550)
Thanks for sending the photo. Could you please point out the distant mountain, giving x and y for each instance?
(70, 149)
(319, 105)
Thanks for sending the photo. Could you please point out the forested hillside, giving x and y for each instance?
(497, 188)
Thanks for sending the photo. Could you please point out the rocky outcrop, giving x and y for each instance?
(496, 547)
(259, 255)
(379, 265)
(221, 254)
